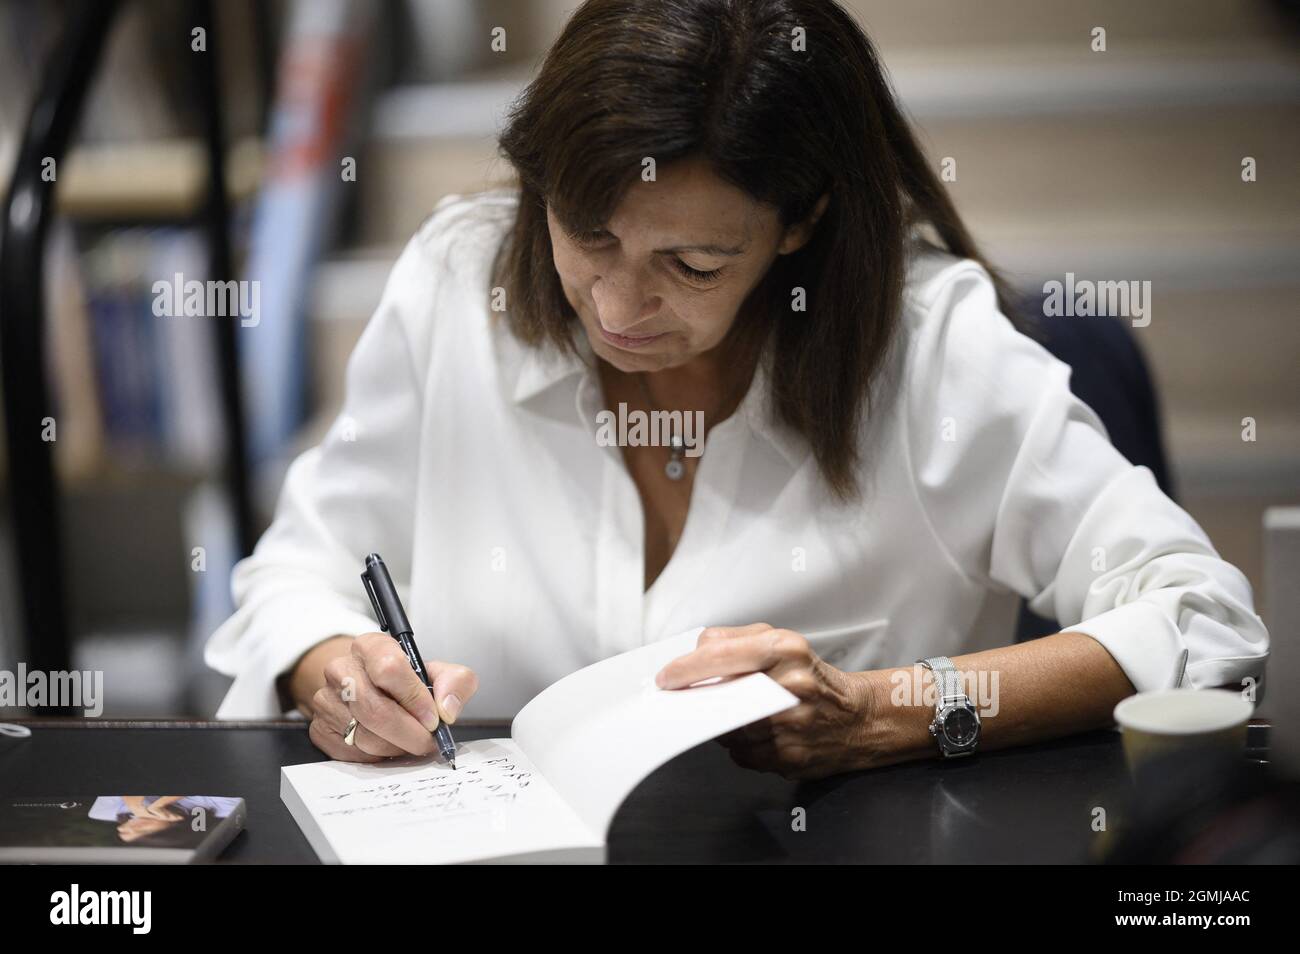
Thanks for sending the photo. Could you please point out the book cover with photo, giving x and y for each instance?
(118, 829)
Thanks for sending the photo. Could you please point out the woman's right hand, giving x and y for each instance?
(373, 682)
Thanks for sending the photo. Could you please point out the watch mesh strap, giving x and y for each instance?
(947, 680)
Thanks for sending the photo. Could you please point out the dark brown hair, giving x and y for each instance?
(722, 80)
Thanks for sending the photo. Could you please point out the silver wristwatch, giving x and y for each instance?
(956, 725)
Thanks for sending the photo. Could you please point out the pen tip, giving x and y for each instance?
(453, 765)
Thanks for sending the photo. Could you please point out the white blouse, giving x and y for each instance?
(471, 463)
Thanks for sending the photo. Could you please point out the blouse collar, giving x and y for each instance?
(539, 370)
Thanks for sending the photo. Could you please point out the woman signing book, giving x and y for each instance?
(722, 354)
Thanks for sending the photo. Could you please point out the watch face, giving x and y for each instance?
(960, 725)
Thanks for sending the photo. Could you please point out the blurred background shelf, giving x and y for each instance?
(164, 179)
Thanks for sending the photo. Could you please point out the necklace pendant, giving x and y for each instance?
(675, 469)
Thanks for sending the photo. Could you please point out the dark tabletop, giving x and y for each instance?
(1033, 804)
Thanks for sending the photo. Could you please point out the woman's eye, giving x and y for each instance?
(587, 239)
(694, 274)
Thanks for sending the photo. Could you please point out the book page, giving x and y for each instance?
(421, 811)
(598, 732)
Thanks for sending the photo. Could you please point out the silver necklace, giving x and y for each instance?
(675, 468)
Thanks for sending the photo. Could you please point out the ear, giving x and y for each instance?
(797, 236)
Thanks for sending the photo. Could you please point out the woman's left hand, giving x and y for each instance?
(825, 734)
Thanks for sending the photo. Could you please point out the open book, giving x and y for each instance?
(548, 793)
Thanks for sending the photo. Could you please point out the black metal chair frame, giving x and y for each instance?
(44, 641)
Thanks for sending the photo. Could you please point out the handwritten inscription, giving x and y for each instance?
(483, 787)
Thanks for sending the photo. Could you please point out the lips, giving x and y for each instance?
(629, 341)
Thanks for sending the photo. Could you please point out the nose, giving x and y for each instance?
(620, 303)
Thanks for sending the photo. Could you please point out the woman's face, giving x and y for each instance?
(663, 281)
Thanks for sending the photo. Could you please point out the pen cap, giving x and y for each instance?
(383, 593)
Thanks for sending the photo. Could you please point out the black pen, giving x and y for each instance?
(393, 621)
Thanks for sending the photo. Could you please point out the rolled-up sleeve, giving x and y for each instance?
(348, 496)
(1025, 492)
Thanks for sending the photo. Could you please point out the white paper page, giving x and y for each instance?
(420, 811)
(599, 731)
